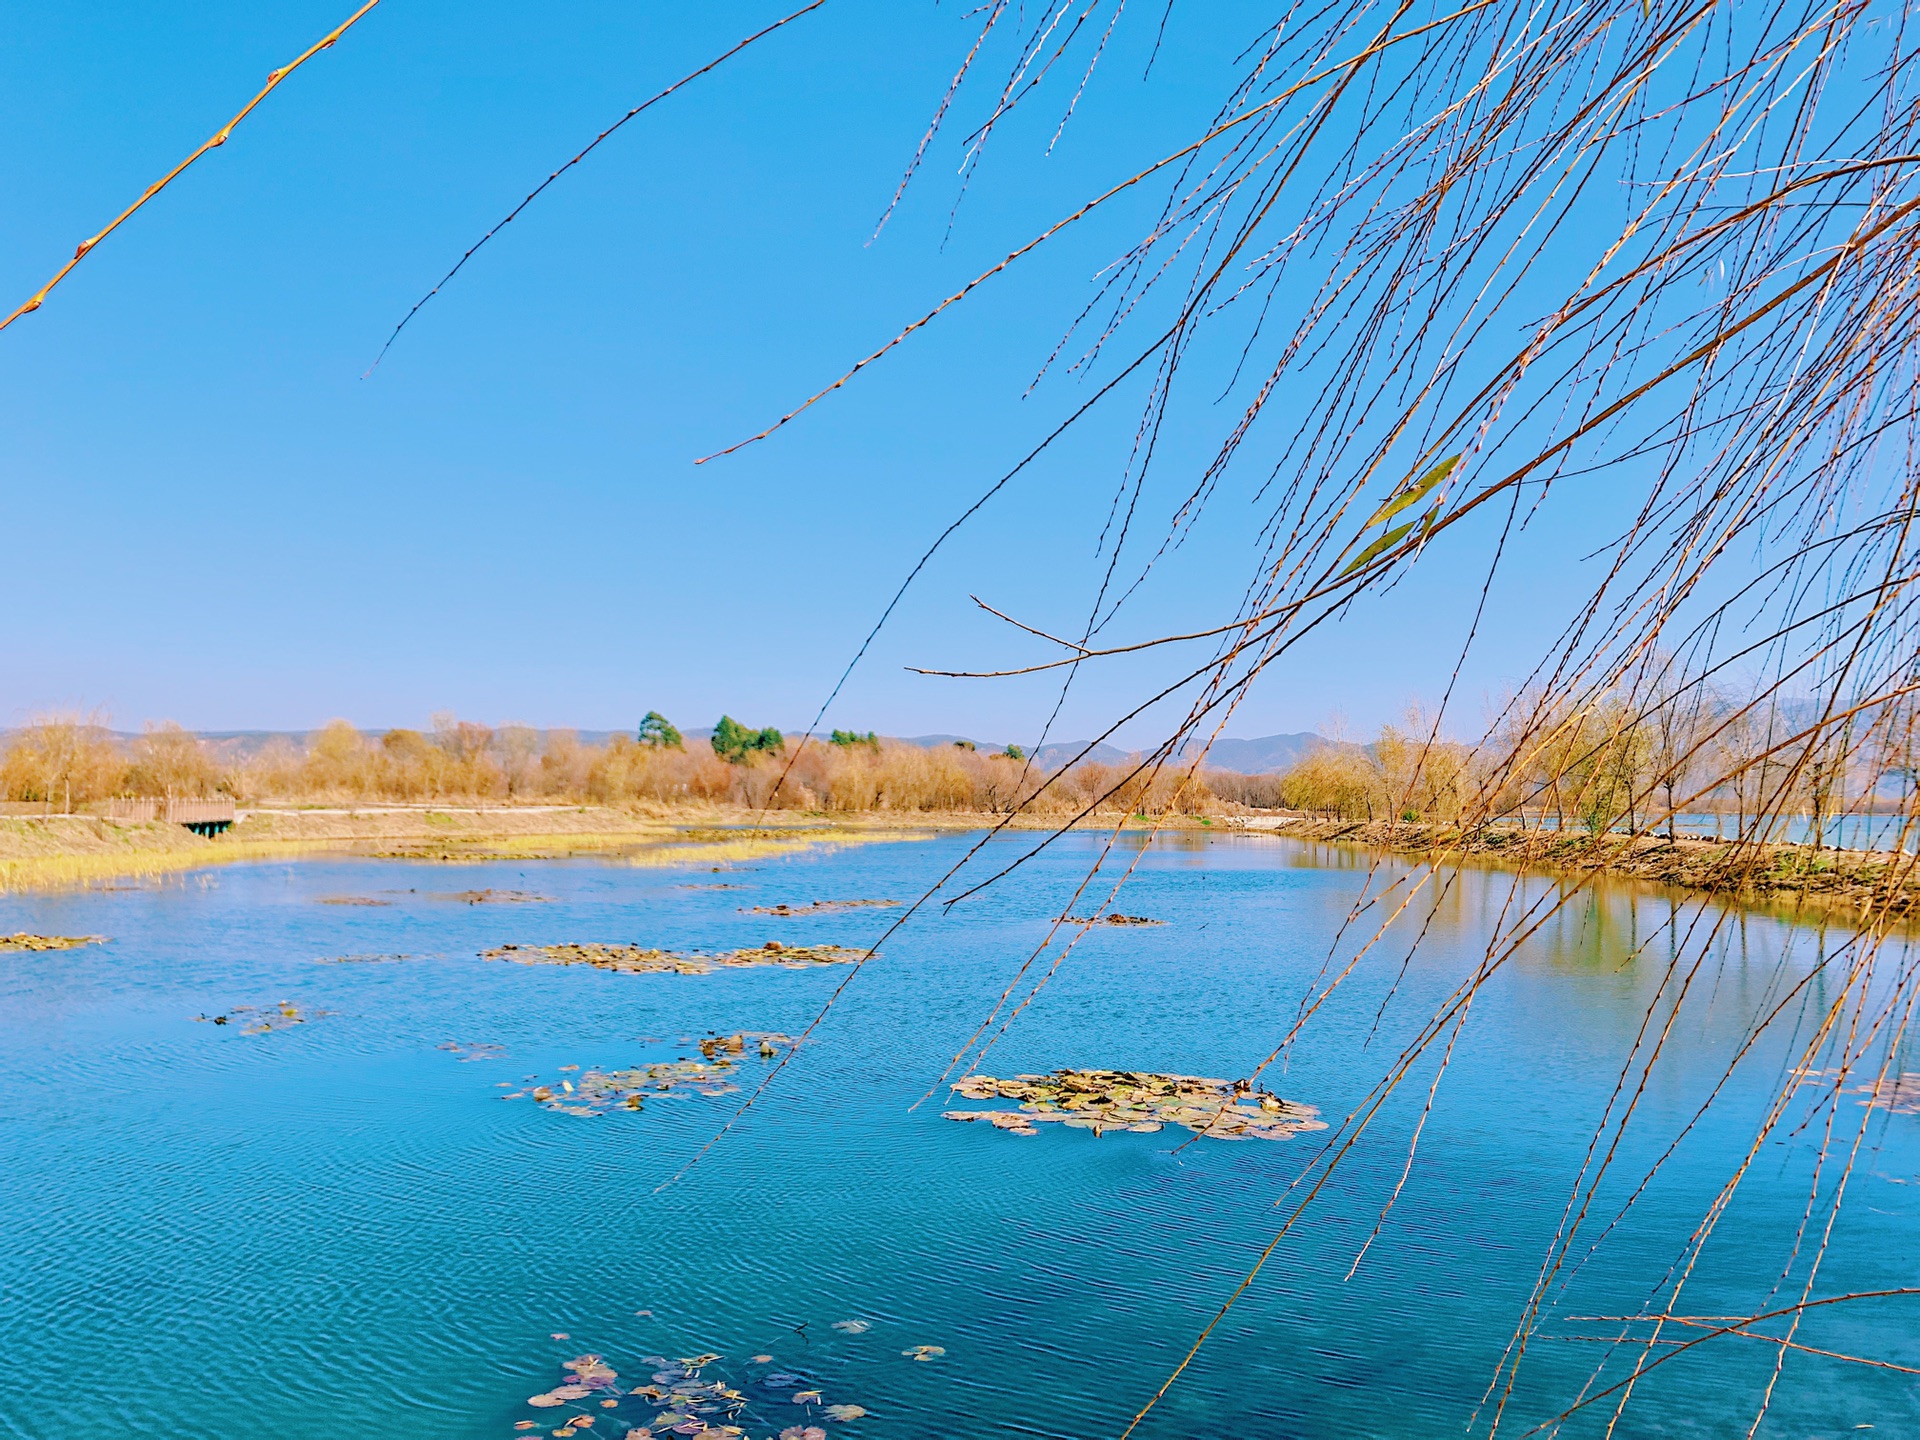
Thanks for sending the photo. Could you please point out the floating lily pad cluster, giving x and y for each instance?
(493, 897)
(352, 900)
(1110, 919)
(1897, 1093)
(639, 960)
(1101, 1100)
(685, 1397)
(24, 941)
(483, 1050)
(363, 959)
(259, 1019)
(821, 907)
(598, 1091)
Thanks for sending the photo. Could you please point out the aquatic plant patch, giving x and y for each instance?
(1898, 1092)
(492, 897)
(485, 1050)
(363, 959)
(351, 900)
(259, 1019)
(25, 942)
(1113, 919)
(1136, 1101)
(640, 960)
(820, 907)
(596, 1092)
(690, 1397)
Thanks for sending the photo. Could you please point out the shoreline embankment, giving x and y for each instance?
(1864, 882)
(62, 851)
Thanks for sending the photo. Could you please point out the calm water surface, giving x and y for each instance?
(341, 1230)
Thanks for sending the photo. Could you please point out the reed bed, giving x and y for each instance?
(68, 762)
(78, 871)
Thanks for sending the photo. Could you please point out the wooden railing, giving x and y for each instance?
(205, 816)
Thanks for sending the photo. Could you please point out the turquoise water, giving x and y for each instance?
(339, 1229)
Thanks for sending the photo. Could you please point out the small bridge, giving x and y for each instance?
(203, 817)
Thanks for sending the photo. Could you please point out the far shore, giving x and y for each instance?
(40, 852)
(1863, 883)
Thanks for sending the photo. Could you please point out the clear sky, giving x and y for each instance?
(209, 515)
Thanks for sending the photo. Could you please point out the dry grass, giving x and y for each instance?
(70, 761)
(66, 852)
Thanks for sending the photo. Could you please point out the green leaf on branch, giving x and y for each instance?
(1416, 492)
(1386, 542)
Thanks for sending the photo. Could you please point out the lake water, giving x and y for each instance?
(339, 1229)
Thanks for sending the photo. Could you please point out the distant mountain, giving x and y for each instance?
(1269, 755)
(1064, 752)
(1047, 757)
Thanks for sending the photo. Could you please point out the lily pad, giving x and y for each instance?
(640, 960)
(693, 1396)
(494, 897)
(853, 1327)
(924, 1352)
(819, 907)
(598, 1091)
(1140, 1102)
(23, 942)
(485, 1050)
(260, 1019)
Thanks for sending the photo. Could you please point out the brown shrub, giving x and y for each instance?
(170, 760)
(62, 761)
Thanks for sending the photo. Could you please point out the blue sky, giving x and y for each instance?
(210, 516)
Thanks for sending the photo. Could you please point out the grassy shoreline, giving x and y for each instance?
(71, 851)
(64, 852)
(1773, 876)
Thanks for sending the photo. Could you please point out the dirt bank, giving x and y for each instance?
(38, 852)
(1861, 881)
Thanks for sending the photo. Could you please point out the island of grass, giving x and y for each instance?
(1137, 1101)
(641, 960)
(23, 941)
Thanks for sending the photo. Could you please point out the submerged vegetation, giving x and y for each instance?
(596, 1091)
(819, 907)
(1102, 1100)
(639, 960)
(681, 1397)
(23, 941)
(259, 1019)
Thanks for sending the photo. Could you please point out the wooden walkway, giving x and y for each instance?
(203, 817)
